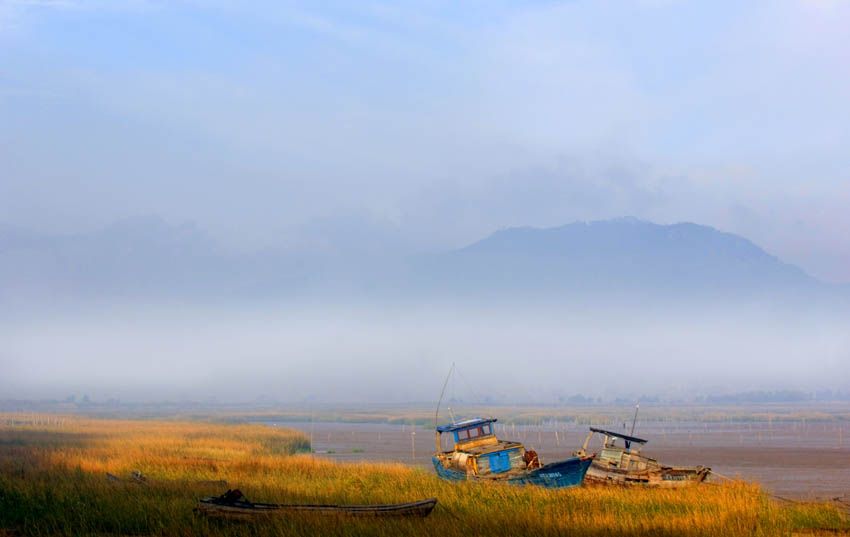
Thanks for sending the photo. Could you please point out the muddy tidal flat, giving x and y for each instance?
(801, 460)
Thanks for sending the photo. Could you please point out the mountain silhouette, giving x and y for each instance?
(619, 257)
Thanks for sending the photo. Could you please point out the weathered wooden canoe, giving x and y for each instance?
(220, 507)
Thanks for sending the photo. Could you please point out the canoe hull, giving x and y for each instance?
(214, 507)
(562, 474)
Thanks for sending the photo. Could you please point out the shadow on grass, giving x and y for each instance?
(11, 438)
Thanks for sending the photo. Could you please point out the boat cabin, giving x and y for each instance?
(477, 451)
(625, 457)
(623, 464)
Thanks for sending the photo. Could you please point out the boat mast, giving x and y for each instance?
(437, 413)
(634, 420)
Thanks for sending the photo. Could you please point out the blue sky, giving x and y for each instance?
(270, 123)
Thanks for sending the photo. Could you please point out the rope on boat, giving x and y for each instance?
(718, 474)
(475, 396)
(449, 511)
(840, 504)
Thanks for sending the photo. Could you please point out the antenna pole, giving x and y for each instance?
(437, 413)
(634, 420)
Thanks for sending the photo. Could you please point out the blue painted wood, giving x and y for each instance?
(445, 473)
(562, 474)
(465, 424)
(499, 462)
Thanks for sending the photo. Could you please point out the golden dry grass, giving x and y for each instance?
(52, 481)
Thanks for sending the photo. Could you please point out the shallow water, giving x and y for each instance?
(806, 460)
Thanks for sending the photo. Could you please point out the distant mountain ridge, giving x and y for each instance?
(623, 252)
(616, 257)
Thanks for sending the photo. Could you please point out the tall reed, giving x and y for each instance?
(52, 482)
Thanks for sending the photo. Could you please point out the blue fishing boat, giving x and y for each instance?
(479, 456)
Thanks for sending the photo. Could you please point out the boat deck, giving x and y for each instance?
(502, 445)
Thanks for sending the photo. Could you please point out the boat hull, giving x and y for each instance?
(664, 477)
(562, 474)
(216, 508)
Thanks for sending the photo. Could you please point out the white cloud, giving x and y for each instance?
(405, 109)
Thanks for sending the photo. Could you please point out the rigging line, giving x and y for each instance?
(442, 392)
(475, 396)
(454, 390)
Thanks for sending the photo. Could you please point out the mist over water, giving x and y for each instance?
(330, 202)
(399, 353)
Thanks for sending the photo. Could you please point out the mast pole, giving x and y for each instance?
(437, 412)
(634, 420)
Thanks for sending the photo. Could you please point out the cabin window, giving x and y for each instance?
(473, 432)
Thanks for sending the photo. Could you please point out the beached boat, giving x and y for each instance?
(624, 464)
(233, 505)
(479, 456)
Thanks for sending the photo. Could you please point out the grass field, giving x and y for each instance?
(52, 482)
(530, 415)
(423, 415)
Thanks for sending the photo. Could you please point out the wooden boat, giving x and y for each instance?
(233, 505)
(139, 478)
(624, 465)
(479, 456)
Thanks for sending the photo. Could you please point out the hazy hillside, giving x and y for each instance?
(655, 303)
(623, 257)
(136, 257)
